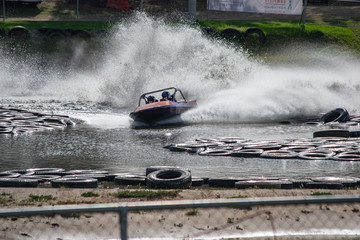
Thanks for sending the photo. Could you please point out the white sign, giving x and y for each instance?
(290, 7)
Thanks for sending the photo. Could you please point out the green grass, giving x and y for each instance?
(145, 194)
(89, 194)
(192, 213)
(40, 198)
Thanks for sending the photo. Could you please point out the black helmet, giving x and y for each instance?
(165, 94)
(151, 98)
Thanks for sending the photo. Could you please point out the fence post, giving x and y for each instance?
(303, 16)
(192, 11)
(123, 223)
(3, 10)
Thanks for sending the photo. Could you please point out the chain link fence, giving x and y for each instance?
(330, 217)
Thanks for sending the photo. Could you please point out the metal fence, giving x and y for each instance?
(311, 217)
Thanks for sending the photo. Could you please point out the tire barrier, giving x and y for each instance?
(284, 154)
(336, 115)
(169, 178)
(232, 34)
(17, 121)
(51, 34)
(211, 32)
(260, 35)
(19, 33)
(75, 182)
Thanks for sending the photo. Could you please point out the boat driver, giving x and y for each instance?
(151, 99)
(167, 97)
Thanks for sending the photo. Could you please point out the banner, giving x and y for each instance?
(289, 7)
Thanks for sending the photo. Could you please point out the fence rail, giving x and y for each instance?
(124, 208)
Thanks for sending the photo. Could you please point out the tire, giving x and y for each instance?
(46, 171)
(324, 185)
(332, 133)
(75, 182)
(232, 34)
(336, 115)
(316, 155)
(81, 35)
(9, 175)
(157, 168)
(18, 182)
(260, 35)
(247, 153)
(209, 31)
(87, 171)
(347, 182)
(274, 184)
(215, 152)
(279, 154)
(20, 172)
(197, 182)
(347, 156)
(99, 177)
(169, 179)
(223, 182)
(55, 35)
(19, 32)
(130, 180)
(41, 178)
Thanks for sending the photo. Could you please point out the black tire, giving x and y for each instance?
(19, 32)
(260, 35)
(169, 178)
(324, 185)
(130, 180)
(223, 182)
(316, 155)
(157, 168)
(347, 182)
(41, 178)
(46, 171)
(20, 171)
(279, 154)
(81, 35)
(332, 133)
(275, 184)
(75, 182)
(87, 171)
(209, 31)
(99, 177)
(215, 152)
(55, 35)
(336, 115)
(347, 156)
(247, 153)
(232, 34)
(9, 175)
(18, 182)
(197, 182)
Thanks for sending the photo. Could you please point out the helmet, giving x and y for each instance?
(165, 94)
(151, 99)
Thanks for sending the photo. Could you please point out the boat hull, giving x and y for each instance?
(158, 113)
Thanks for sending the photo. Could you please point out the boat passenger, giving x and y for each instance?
(151, 99)
(165, 96)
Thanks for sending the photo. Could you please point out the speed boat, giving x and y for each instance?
(161, 105)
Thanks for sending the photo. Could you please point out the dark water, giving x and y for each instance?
(237, 95)
(103, 142)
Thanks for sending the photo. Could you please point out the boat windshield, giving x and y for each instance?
(166, 94)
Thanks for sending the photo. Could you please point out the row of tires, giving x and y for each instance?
(50, 34)
(232, 34)
(161, 177)
(17, 121)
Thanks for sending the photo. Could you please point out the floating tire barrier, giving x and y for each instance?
(324, 185)
(19, 33)
(18, 182)
(17, 121)
(232, 34)
(157, 168)
(247, 153)
(215, 152)
(223, 182)
(75, 182)
(46, 171)
(9, 175)
(277, 184)
(316, 155)
(348, 156)
(169, 179)
(55, 35)
(99, 177)
(347, 182)
(130, 180)
(209, 31)
(80, 35)
(336, 115)
(41, 178)
(255, 34)
(279, 154)
(197, 182)
(332, 133)
(87, 171)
